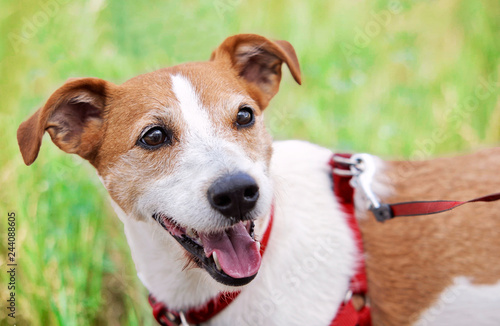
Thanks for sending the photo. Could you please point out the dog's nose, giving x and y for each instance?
(234, 195)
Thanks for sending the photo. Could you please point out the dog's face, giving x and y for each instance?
(185, 146)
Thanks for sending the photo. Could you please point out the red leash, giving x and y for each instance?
(385, 212)
(434, 207)
(197, 315)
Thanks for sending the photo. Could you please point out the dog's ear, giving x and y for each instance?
(258, 60)
(73, 116)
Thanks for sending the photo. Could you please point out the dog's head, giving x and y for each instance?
(185, 146)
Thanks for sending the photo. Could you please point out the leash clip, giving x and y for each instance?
(382, 213)
(347, 163)
(363, 171)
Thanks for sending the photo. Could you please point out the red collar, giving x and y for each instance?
(168, 317)
(347, 314)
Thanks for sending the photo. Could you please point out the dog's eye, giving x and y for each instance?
(155, 137)
(245, 117)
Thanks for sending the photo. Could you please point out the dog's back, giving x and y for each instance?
(447, 265)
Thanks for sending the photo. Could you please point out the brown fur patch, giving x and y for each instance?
(72, 115)
(411, 260)
(258, 61)
(126, 168)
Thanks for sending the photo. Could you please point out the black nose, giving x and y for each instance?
(234, 195)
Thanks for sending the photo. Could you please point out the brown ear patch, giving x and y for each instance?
(67, 125)
(73, 116)
(258, 61)
(29, 138)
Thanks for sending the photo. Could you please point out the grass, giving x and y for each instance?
(420, 81)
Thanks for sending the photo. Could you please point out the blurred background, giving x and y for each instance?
(399, 79)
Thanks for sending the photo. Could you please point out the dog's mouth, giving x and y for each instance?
(231, 256)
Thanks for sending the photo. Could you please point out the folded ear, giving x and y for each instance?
(258, 60)
(73, 116)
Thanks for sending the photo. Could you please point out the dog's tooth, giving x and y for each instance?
(216, 260)
(258, 245)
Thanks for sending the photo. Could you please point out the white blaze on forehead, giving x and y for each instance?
(194, 115)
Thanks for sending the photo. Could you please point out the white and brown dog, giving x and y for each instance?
(194, 177)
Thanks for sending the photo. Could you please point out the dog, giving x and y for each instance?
(220, 218)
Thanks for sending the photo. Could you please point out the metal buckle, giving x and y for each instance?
(344, 173)
(348, 296)
(348, 162)
(183, 319)
(343, 160)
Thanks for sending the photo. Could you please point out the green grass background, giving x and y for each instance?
(418, 82)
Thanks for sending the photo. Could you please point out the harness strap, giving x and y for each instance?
(347, 315)
(168, 317)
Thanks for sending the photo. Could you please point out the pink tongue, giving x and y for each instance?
(237, 252)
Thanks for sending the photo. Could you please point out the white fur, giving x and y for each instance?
(310, 236)
(194, 115)
(463, 304)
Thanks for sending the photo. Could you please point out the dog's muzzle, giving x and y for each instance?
(230, 255)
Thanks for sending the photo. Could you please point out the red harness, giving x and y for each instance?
(346, 314)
